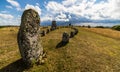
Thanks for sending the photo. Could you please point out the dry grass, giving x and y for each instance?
(8, 45)
(88, 51)
(106, 32)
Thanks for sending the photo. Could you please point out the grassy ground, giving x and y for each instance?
(89, 51)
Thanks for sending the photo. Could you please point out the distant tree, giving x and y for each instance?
(70, 24)
(83, 26)
(116, 27)
(99, 27)
(89, 26)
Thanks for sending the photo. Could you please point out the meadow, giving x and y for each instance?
(91, 50)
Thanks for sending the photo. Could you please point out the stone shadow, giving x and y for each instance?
(17, 66)
(61, 44)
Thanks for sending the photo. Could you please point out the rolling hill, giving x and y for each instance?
(91, 50)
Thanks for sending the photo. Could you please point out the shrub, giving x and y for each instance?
(89, 26)
(116, 27)
(99, 27)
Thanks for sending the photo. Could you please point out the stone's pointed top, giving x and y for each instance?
(30, 18)
(30, 10)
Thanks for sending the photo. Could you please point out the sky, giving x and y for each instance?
(63, 11)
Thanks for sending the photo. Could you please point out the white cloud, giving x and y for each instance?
(36, 8)
(10, 21)
(6, 16)
(68, 2)
(9, 7)
(46, 18)
(13, 3)
(61, 17)
(37, 4)
(4, 11)
(55, 7)
(86, 8)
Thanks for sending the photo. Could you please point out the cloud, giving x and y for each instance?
(68, 2)
(10, 20)
(6, 16)
(9, 7)
(13, 3)
(89, 9)
(46, 18)
(55, 7)
(4, 11)
(36, 8)
(61, 17)
(37, 4)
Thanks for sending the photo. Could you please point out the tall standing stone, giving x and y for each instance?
(72, 34)
(54, 26)
(29, 39)
(47, 31)
(65, 37)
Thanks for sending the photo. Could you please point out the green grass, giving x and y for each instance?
(86, 52)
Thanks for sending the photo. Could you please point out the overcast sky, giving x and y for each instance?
(60, 10)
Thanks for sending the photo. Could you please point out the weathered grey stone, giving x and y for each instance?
(47, 31)
(65, 37)
(70, 24)
(43, 33)
(54, 25)
(28, 37)
(76, 31)
(72, 34)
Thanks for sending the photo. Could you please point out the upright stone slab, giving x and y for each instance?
(53, 27)
(28, 37)
(43, 33)
(72, 34)
(47, 31)
(65, 37)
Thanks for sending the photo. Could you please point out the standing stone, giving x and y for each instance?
(70, 24)
(65, 37)
(28, 38)
(72, 34)
(53, 27)
(43, 33)
(76, 31)
(47, 31)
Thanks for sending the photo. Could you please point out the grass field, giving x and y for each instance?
(91, 50)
